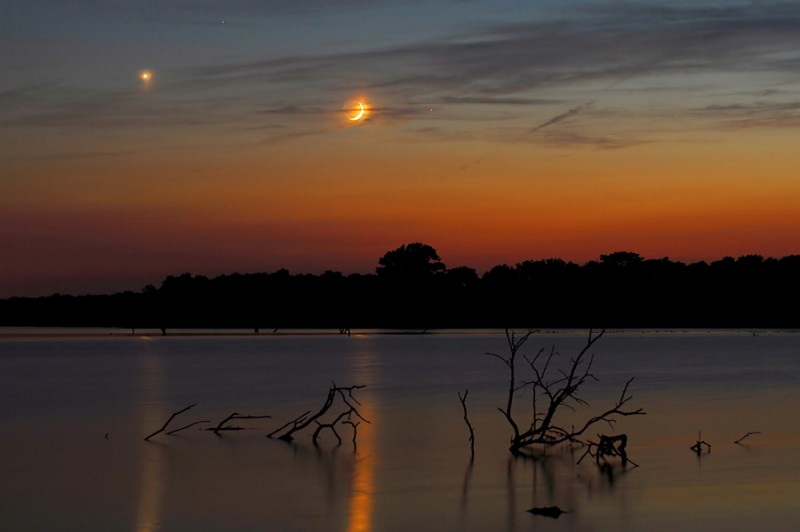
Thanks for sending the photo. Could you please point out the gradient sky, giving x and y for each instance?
(497, 132)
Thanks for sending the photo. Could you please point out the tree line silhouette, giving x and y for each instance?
(413, 289)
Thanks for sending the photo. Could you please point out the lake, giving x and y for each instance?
(76, 406)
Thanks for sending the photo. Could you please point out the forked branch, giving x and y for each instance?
(350, 416)
(179, 412)
(463, 399)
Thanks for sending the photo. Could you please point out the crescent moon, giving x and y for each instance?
(360, 113)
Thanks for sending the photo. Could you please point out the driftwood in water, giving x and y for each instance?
(168, 421)
(608, 446)
(548, 511)
(463, 399)
(221, 425)
(698, 446)
(299, 419)
(345, 394)
(739, 441)
(189, 425)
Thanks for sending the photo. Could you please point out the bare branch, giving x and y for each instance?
(168, 421)
(463, 399)
(221, 425)
(295, 421)
(189, 425)
(738, 442)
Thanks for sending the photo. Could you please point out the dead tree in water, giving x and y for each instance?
(347, 416)
(553, 389)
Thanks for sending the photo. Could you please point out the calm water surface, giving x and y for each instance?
(75, 410)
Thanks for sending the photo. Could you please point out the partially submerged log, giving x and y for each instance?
(222, 427)
(548, 511)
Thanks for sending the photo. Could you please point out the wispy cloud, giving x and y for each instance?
(502, 65)
(753, 114)
(607, 49)
(558, 118)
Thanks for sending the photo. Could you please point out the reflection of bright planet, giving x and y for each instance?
(355, 110)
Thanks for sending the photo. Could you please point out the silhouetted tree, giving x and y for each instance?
(410, 261)
(621, 259)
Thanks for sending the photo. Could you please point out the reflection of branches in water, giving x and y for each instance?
(611, 473)
(557, 480)
(466, 483)
(512, 493)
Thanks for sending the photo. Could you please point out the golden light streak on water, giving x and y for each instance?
(361, 501)
(151, 493)
(363, 486)
(151, 489)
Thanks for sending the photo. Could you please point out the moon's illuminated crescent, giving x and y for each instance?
(360, 113)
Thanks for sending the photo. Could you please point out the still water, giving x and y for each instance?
(75, 410)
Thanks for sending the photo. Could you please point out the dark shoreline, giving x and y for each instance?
(622, 290)
(63, 332)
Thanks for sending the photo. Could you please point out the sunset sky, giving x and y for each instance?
(495, 131)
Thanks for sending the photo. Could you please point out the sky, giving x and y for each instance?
(495, 131)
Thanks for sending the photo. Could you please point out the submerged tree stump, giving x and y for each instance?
(609, 446)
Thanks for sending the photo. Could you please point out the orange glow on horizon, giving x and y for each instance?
(311, 205)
